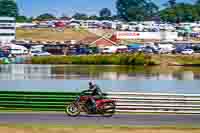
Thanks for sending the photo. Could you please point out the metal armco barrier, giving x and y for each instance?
(156, 102)
(126, 102)
(35, 101)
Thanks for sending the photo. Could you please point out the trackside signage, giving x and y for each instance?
(146, 35)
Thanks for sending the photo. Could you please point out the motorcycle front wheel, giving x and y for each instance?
(72, 110)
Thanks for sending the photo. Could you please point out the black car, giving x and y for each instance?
(196, 48)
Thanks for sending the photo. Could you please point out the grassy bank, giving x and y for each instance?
(44, 34)
(32, 128)
(177, 60)
(132, 59)
(121, 59)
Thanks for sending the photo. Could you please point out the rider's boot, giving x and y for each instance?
(93, 109)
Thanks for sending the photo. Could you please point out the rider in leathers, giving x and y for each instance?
(96, 93)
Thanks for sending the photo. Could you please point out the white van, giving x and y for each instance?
(109, 49)
(113, 49)
(37, 48)
(18, 50)
(165, 48)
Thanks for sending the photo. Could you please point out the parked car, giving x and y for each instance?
(114, 49)
(164, 51)
(80, 51)
(4, 52)
(178, 50)
(147, 50)
(196, 48)
(181, 47)
(122, 49)
(132, 50)
(165, 48)
(39, 53)
(109, 50)
(187, 51)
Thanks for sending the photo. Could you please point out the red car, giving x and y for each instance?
(122, 50)
(60, 24)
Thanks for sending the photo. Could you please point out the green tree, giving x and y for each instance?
(136, 10)
(115, 17)
(8, 8)
(93, 17)
(21, 19)
(171, 3)
(30, 19)
(151, 10)
(197, 2)
(45, 16)
(197, 5)
(65, 17)
(80, 16)
(105, 12)
(181, 12)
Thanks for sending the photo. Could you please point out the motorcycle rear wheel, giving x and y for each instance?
(108, 109)
(72, 110)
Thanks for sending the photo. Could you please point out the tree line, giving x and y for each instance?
(127, 10)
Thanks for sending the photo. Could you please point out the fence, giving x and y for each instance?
(155, 102)
(126, 102)
(35, 101)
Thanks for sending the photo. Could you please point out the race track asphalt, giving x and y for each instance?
(119, 119)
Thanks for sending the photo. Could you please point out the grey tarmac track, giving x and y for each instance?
(119, 119)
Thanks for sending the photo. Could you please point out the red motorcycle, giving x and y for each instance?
(105, 107)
